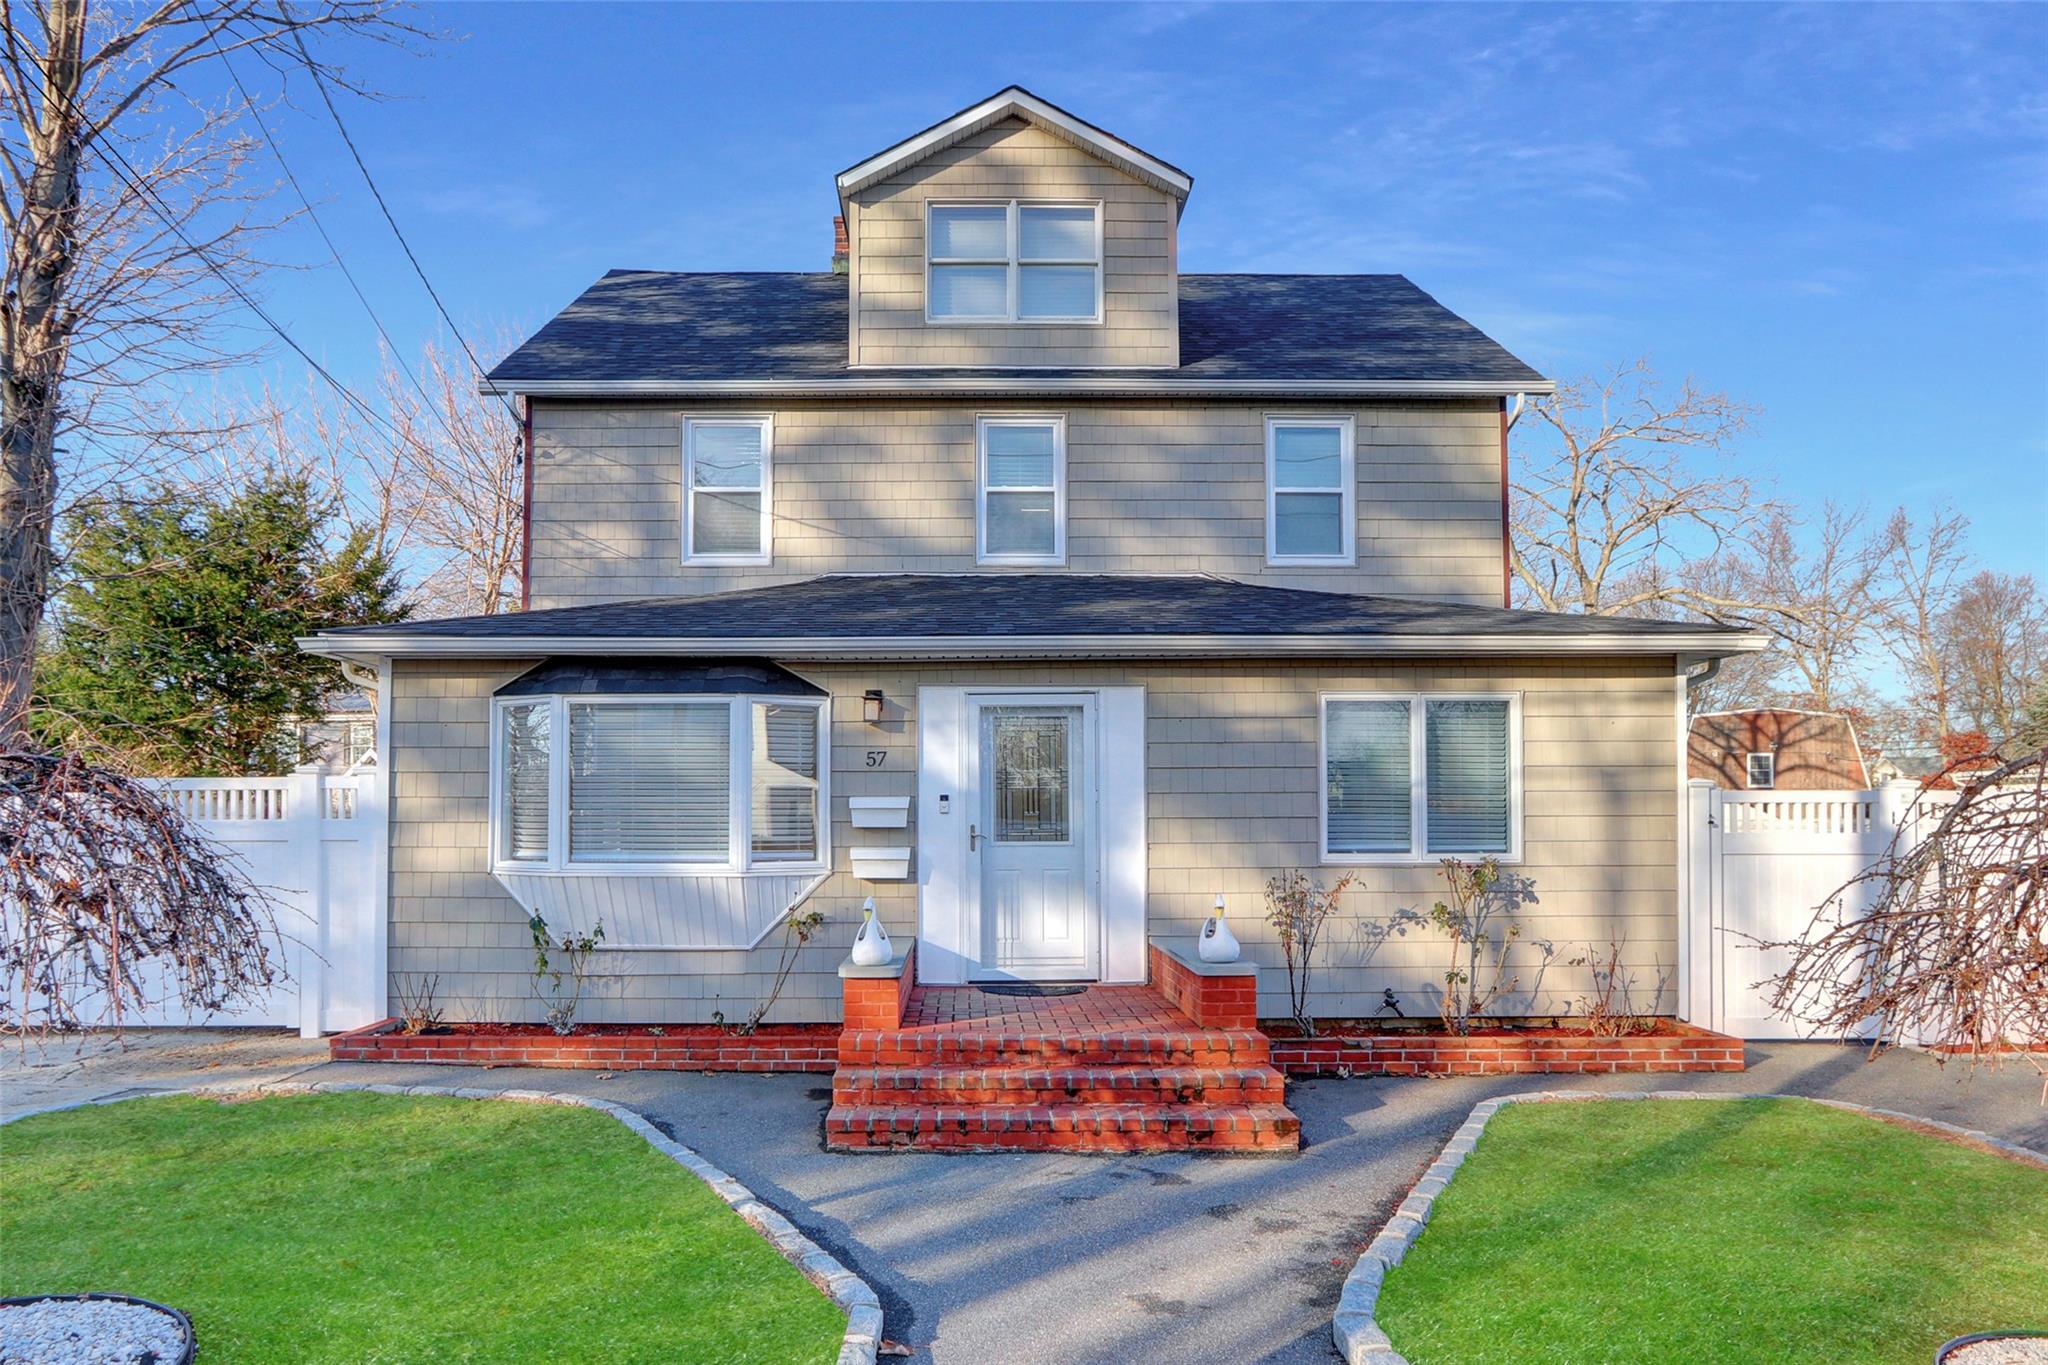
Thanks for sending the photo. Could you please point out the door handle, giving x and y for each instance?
(973, 838)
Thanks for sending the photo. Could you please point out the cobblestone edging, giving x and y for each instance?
(842, 1286)
(1359, 1338)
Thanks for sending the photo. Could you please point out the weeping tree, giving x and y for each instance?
(1953, 950)
(111, 903)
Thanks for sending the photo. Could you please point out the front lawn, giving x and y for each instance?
(1717, 1230)
(371, 1227)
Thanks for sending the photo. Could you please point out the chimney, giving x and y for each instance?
(839, 247)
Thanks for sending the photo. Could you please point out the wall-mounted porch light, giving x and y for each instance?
(871, 705)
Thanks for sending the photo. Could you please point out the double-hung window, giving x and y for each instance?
(726, 489)
(1413, 778)
(1013, 262)
(1763, 771)
(652, 783)
(1022, 490)
(1310, 486)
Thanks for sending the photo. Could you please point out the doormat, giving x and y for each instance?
(1028, 990)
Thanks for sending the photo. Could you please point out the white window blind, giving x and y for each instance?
(726, 479)
(1309, 491)
(524, 818)
(785, 781)
(1470, 803)
(1014, 263)
(650, 782)
(1020, 490)
(1369, 785)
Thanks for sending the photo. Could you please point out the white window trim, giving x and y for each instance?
(766, 422)
(1058, 423)
(1749, 770)
(1012, 266)
(740, 860)
(1347, 479)
(1418, 853)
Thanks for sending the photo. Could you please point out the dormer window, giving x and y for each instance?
(1013, 261)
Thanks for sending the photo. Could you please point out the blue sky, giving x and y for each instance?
(1838, 213)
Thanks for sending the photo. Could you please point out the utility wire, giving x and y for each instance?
(320, 84)
(334, 251)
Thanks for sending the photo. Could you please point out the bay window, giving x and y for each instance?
(654, 783)
(1013, 262)
(1417, 778)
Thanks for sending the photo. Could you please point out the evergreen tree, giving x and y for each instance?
(2033, 731)
(174, 643)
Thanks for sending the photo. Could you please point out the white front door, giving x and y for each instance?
(1032, 835)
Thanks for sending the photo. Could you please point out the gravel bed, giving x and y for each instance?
(2001, 1351)
(88, 1332)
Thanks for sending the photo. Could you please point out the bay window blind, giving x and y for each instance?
(1469, 801)
(650, 782)
(785, 781)
(1369, 786)
(525, 818)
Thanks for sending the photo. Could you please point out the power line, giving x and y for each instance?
(321, 85)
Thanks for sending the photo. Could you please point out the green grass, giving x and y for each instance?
(380, 1228)
(1738, 1230)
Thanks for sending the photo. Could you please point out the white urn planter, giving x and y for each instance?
(1217, 943)
(871, 946)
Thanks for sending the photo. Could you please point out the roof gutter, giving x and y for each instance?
(372, 645)
(1018, 384)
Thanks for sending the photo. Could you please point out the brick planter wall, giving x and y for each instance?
(810, 1047)
(1211, 1001)
(1679, 1047)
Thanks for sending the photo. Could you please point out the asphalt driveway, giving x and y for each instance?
(1016, 1258)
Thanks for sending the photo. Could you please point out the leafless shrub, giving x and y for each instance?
(561, 966)
(418, 1012)
(1298, 906)
(1953, 952)
(1609, 1009)
(797, 928)
(111, 903)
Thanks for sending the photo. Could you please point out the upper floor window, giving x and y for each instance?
(1014, 262)
(652, 783)
(1023, 490)
(725, 489)
(1309, 489)
(1763, 770)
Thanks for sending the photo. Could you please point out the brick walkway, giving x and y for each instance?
(1096, 1008)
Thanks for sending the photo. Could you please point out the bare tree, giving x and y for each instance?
(129, 235)
(1606, 509)
(1917, 588)
(458, 476)
(1996, 639)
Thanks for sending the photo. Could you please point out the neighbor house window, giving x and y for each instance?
(1023, 490)
(1309, 483)
(1763, 770)
(726, 490)
(1407, 778)
(1014, 262)
(660, 783)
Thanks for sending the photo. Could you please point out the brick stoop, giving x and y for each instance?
(1114, 1069)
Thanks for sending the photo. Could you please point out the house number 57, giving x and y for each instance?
(877, 757)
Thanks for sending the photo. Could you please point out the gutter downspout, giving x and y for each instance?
(526, 505)
(1703, 677)
(1508, 417)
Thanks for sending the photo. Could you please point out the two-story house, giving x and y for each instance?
(1041, 591)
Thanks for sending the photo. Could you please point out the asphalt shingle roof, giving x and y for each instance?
(653, 326)
(979, 606)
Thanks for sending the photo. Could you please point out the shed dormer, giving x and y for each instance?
(1015, 236)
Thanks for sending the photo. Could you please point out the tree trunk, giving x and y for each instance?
(36, 337)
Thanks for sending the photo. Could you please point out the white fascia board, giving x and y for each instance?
(1016, 384)
(996, 108)
(1029, 646)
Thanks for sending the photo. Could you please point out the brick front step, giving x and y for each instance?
(1048, 1085)
(972, 1047)
(1064, 1128)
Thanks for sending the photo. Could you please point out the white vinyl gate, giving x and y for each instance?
(1761, 865)
(313, 841)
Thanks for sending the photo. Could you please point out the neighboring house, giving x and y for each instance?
(1776, 749)
(341, 736)
(1035, 588)
(1912, 765)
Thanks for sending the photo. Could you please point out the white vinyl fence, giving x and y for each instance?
(312, 840)
(1761, 865)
